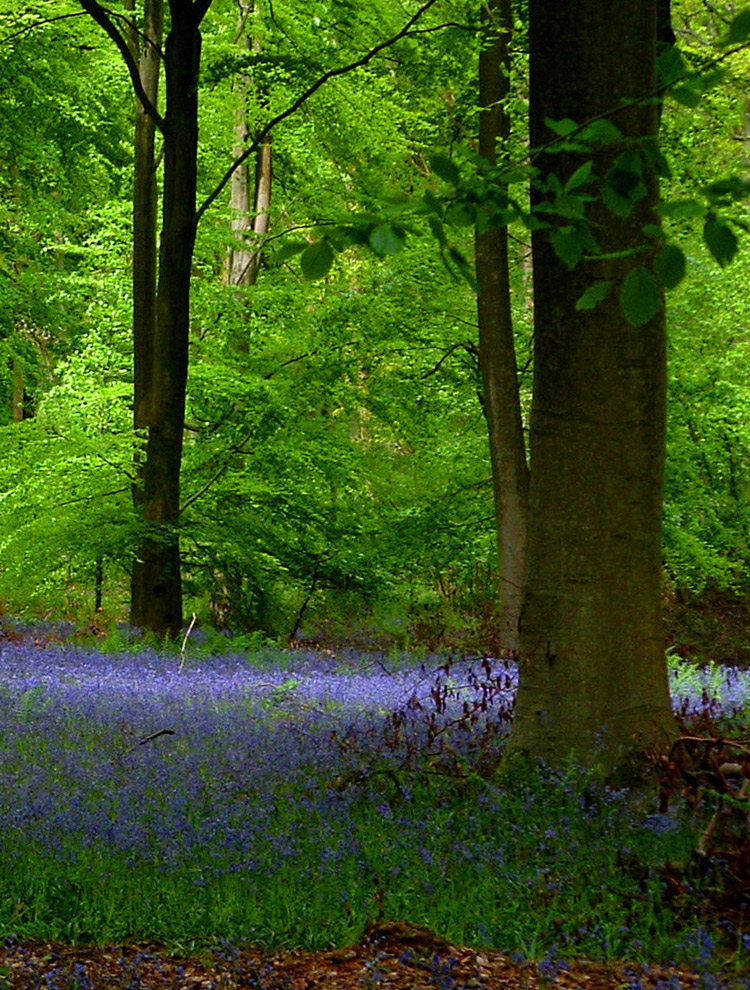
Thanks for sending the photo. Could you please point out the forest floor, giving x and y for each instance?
(393, 956)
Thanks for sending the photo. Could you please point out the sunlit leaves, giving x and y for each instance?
(640, 296)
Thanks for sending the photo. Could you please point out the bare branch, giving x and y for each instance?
(36, 24)
(92, 498)
(142, 742)
(204, 488)
(102, 18)
(294, 360)
(468, 347)
(310, 91)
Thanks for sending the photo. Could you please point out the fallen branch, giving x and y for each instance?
(142, 742)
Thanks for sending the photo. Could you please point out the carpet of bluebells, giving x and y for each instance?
(284, 799)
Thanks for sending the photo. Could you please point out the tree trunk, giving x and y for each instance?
(18, 394)
(249, 222)
(593, 679)
(146, 48)
(497, 356)
(156, 602)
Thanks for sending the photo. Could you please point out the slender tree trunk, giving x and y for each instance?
(146, 49)
(238, 256)
(261, 206)
(497, 356)
(249, 219)
(593, 678)
(18, 409)
(156, 584)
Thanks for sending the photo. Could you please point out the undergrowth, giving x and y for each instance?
(148, 798)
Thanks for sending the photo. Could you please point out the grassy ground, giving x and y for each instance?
(283, 799)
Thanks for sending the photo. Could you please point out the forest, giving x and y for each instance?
(375, 395)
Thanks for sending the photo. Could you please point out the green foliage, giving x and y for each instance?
(640, 296)
(720, 240)
(335, 451)
(671, 265)
(739, 29)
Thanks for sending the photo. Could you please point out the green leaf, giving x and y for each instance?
(289, 250)
(720, 240)
(461, 214)
(438, 232)
(710, 80)
(615, 203)
(739, 29)
(568, 245)
(463, 266)
(657, 161)
(682, 209)
(316, 260)
(561, 127)
(579, 177)
(640, 296)
(431, 203)
(685, 96)
(601, 132)
(733, 187)
(670, 265)
(593, 295)
(670, 65)
(387, 239)
(445, 169)
(653, 230)
(624, 184)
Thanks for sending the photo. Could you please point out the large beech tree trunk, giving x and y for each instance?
(497, 355)
(156, 602)
(593, 678)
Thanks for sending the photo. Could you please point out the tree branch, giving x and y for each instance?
(310, 91)
(102, 18)
(92, 498)
(468, 347)
(36, 24)
(200, 9)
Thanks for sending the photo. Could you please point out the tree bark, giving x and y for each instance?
(18, 394)
(146, 48)
(156, 602)
(497, 355)
(249, 221)
(593, 679)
